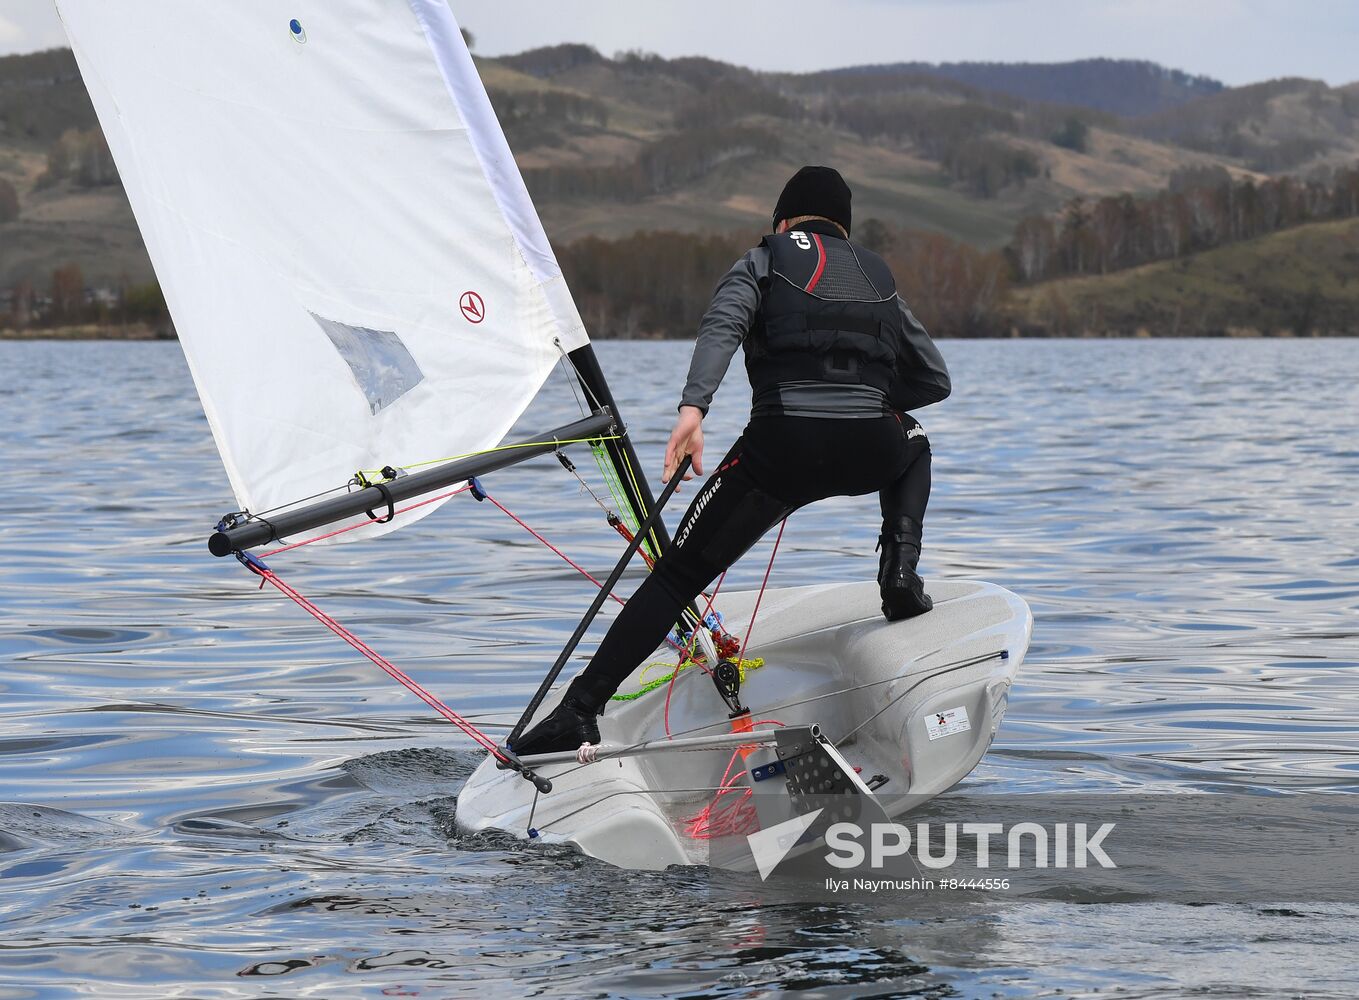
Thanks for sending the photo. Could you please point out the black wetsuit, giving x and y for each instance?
(805, 441)
(777, 465)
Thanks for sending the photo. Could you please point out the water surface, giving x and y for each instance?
(210, 796)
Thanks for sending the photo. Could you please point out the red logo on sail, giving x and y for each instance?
(473, 309)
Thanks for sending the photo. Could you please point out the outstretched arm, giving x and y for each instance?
(724, 326)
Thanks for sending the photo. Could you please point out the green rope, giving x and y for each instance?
(637, 491)
(620, 497)
(648, 686)
(615, 486)
(651, 542)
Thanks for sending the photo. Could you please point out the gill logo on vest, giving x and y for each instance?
(801, 239)
(699, 504)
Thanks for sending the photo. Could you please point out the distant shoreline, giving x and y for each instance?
(89, 331)
(143, 332)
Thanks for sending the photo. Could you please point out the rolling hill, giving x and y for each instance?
(1273, 127)
(1300, 282)
(613, 147)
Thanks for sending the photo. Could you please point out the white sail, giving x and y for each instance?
(353, 264)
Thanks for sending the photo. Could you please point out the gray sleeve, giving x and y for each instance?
(724, 326)
(922, 377)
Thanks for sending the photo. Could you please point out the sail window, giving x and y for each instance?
(383, 368)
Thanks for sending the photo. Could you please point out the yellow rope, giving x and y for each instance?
(363, 474)
(651, 539)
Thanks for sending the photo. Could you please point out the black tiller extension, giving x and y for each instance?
(598, 602)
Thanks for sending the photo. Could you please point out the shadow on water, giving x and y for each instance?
(208, 795)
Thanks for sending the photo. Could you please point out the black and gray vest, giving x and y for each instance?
(830, 315)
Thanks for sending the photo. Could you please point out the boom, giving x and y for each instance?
(255, 531)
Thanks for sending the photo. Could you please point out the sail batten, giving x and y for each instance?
(352, 262)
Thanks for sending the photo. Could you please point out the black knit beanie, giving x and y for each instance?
(815, 191)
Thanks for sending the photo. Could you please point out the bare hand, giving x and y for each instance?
(685, 439)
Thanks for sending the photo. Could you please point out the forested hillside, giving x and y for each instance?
(1119, 86)
(1275, 126)
(1297, 282)
(41, 96)
(651, 173)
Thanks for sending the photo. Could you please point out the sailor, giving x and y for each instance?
(834, 358)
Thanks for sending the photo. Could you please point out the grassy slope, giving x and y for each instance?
(1299, 281)
(891, 182)
(96, 230)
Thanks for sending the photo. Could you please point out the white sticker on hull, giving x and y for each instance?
(946, 723)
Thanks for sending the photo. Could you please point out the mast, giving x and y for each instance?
(621, 451)
(624, 457)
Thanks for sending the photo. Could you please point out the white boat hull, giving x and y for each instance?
(876, 689)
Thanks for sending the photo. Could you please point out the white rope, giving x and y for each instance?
(577, 381)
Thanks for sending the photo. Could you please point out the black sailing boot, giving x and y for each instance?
(903, 592)
(570, 724)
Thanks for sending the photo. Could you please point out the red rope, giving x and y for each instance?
(735, 817)
(389, 668)
(565, 558)
(393, 671)
(382, 662)
(574, 565)
(718, 819)
(434, 499)
(623, 530)
(750, 626)
(364, 524)
(689, 652)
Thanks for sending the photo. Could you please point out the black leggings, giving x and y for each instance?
(777, 465)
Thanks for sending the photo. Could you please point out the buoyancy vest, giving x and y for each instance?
(830, 314)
